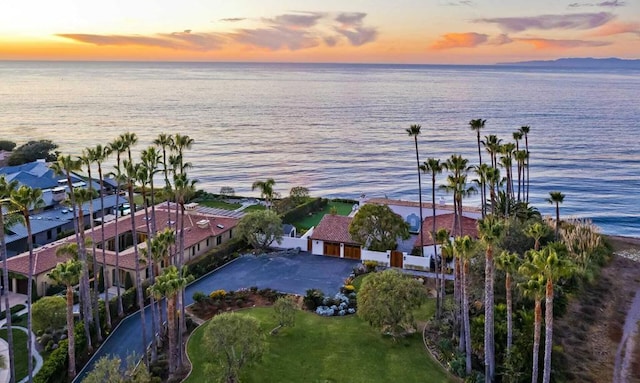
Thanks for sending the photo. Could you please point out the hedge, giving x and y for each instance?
(54, 368)
(302, 211)
(13, 310)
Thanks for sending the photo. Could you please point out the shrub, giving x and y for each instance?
(199, 297)
(269, 294)
(313, 299)
(218, 294)
(370, 266)
(347, 289)
(302, 211)
(54, 368)
(13, 311)
(128, 282)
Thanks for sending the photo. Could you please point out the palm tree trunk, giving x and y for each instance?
(85, 274)
(94, 296)
(548, 332)
(537, 323)
(526, 145)
(107, 307)
(139, 291)
(116, 280)
(489, 356)
(70, 334)
(5, 284)
(154, 321)
(509, 312)
(415, 138)
(171, 319)
(29, 300)
(465, 314)
(557, 221)
(439, 282)
(182, 325)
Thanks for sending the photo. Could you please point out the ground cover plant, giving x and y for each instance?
(220, 204)
(319, 349)
(341, 208)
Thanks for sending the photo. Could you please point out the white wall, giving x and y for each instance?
(378, 256)
(291, 243)
(417, 263)
(317, 247)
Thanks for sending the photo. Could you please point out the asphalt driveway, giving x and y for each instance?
(293, 274)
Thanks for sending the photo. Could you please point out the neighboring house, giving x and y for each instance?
(289, 230)
(201, 233)
(410, 210)
(331, 237)
(445, 221)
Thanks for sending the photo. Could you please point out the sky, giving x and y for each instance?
(347, 31)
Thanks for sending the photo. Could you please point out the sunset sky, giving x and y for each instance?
(371, 31)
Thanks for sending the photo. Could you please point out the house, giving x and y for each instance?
(331, 237)
(444, 221)
(201, 233)
(289, 230)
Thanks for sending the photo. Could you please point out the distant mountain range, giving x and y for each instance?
(586, 62)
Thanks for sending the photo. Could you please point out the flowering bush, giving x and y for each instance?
(340, 304)
(218, 294)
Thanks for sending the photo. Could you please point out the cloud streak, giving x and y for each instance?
(547, 22)
(177, 40)
(604, 4)
(542, 44)
(616, 28)
(459, 40)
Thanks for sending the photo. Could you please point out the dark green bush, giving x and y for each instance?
(302, 211)
(13, 310)
(313, 299)
(199, 297)
(128, 282)
(216, 257)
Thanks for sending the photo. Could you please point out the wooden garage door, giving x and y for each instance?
(332, 249)
(352, 252)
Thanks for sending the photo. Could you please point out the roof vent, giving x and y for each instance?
(191, 206)
(203, 223)
(219, 226)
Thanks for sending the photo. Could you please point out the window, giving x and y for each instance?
(231, 233)
(49, 234)
(208, 244)
(218, 240)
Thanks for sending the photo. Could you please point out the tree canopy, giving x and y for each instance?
(49, 313)
(387, 300)
(34, 150)
(234, 342)
(261, 228)
(7, 145)
(377, 227)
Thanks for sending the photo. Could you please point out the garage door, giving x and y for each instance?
(352, 252)
(332, 249)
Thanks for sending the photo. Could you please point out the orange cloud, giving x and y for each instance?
(459, 40)
(539, 43)
(617, 28)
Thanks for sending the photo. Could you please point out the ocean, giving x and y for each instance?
(339, 129)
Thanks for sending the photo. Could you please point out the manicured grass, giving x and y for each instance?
(221, 205)
(20, 352)
(254, 208)
(337, 349)
(314, 219)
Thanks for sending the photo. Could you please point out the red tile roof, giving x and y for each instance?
(446, 221)
(425, 205)
(45, 258)
(333, 228)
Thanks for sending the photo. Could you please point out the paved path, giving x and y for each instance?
(4, 373)
(290, 274)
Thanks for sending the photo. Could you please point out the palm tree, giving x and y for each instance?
(492, 145)
(434, 167)
(131, 172)
(169, 285)
(68, 274)
(493, 180)
(537, 231)
(464, 248)
(414, 131)
(490, 230)
(534, 288)
(6, 189)
(98, 155)
(477, 125)
(482, 171)
(525, 131)
(266, 190)
(118, 147)
(521, 160)
(457, 166)
(507, 162)
(508, 262)
(555, 266)
(24, 199)
(442, 236)
(165, 141)
(556, 197)
(87, 159)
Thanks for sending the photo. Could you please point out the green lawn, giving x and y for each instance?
(254, 208)
(313, 220)
(337, 349)
(221, 205)
(20, 352)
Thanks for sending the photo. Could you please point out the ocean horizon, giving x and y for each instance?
(339, 129)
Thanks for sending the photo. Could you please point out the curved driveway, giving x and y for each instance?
(293, 274)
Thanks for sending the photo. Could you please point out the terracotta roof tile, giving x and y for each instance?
(446, 221)
(333, 228)
(425, 205)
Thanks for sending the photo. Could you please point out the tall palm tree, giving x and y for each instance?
(165, 141)
(507, 163)
(266, 190)
(442, 236)
(98, 155)
(24, 199)
(87, 159)
(534, 288)
(464, 248)
(508, 262)
(492, 145)
(6, 189)
(556, 198)
(490, 230)
(118, 147)
(482, 172)
(433, 166)
(521, 159)
(169, 285)
(131, 173)
(493, 180)
(525, 131)
(457, 167)
(68, 274)
(555, 266)
(414, 131)
(476, 126)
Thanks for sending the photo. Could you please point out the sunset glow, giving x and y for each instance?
(451, 32)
